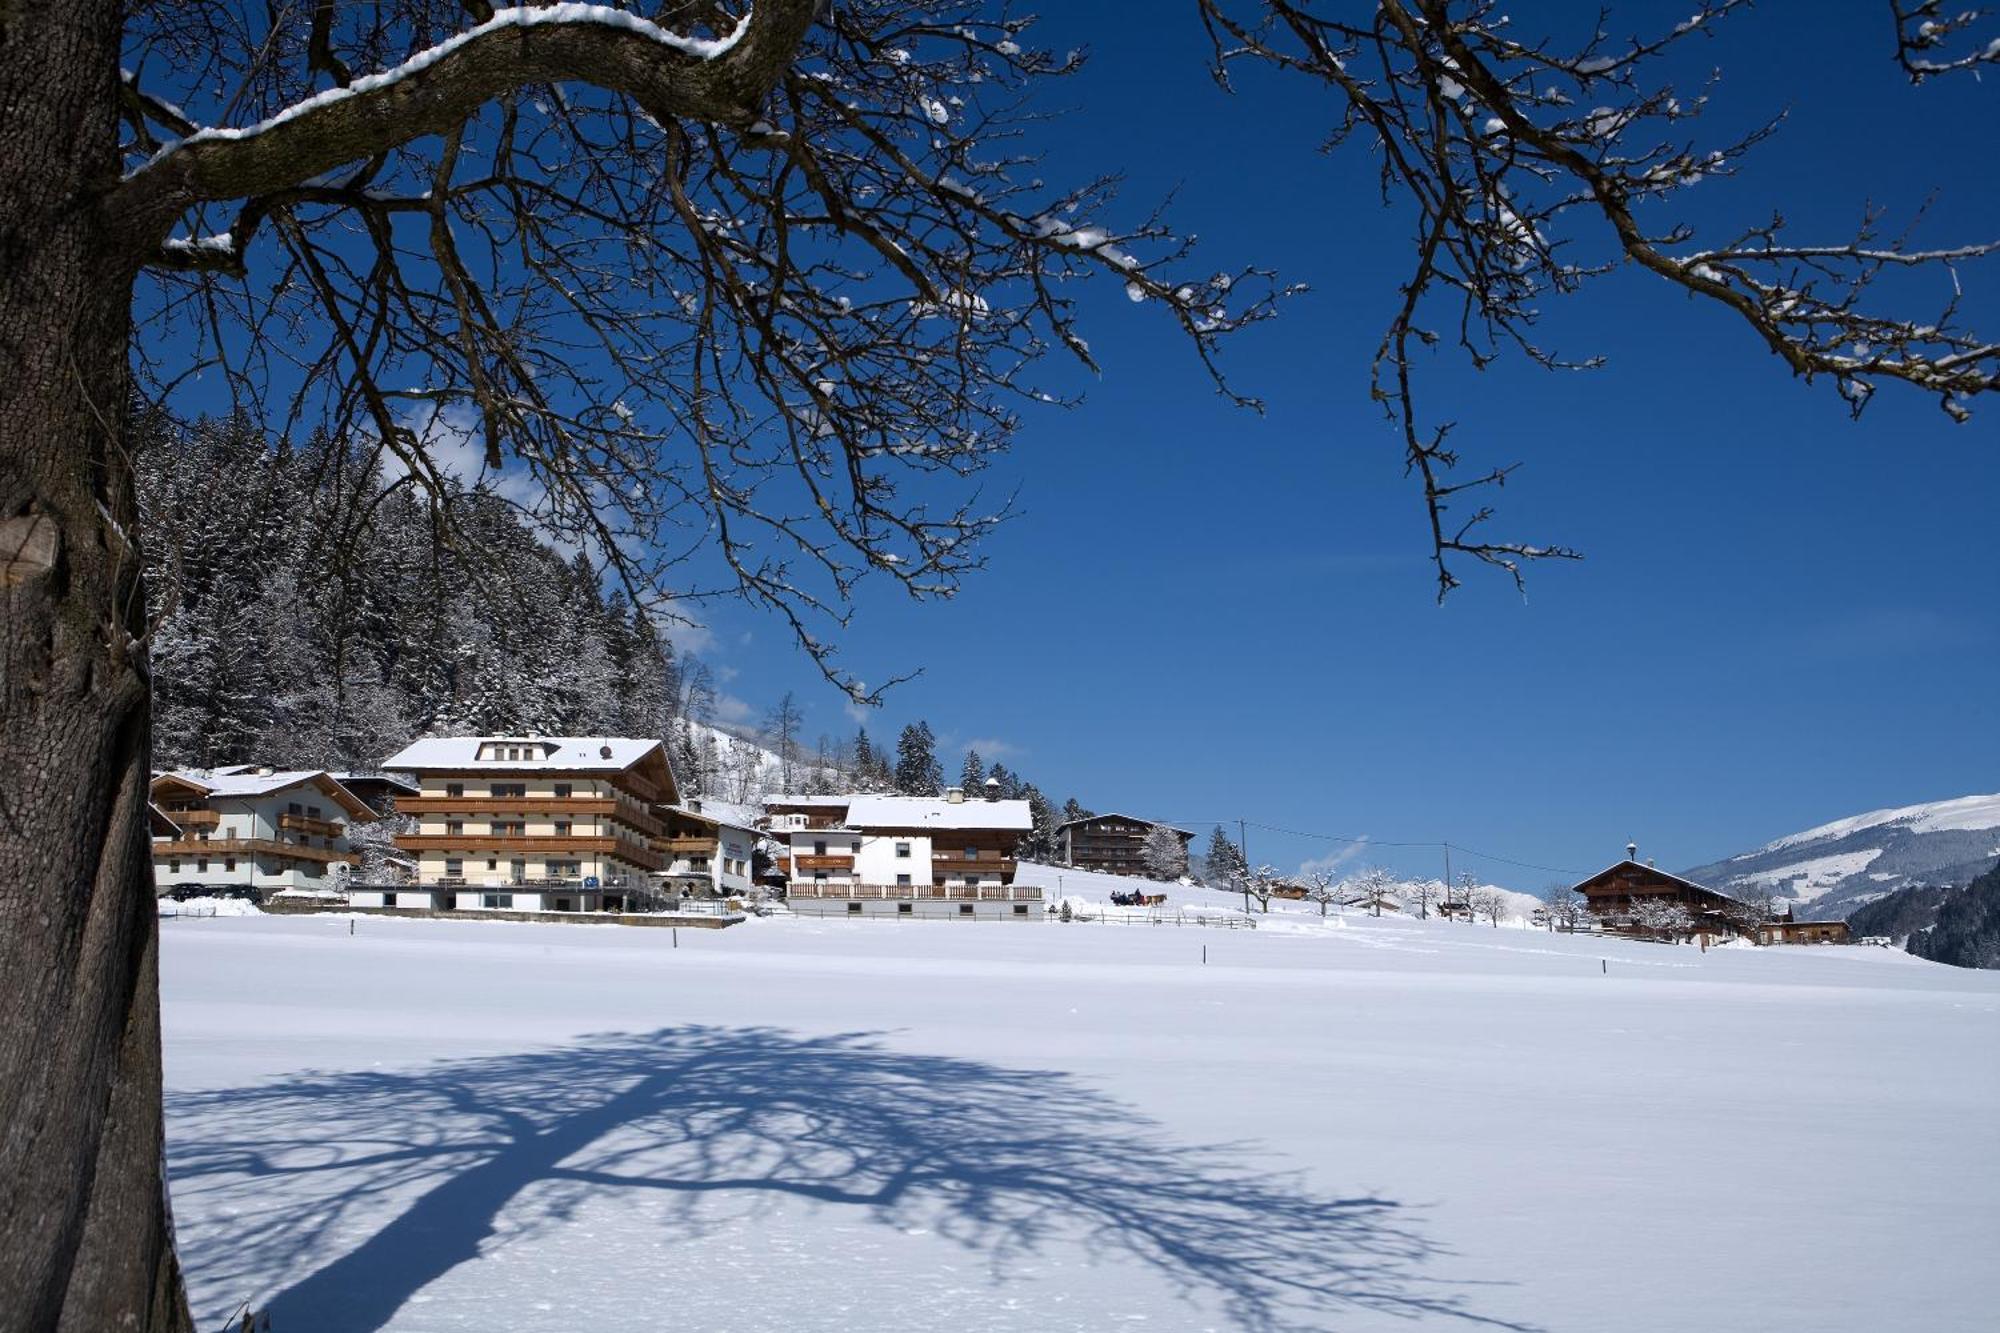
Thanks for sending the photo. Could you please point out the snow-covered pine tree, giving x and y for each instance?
(972, 774)
(1223, 861)
(918, 772)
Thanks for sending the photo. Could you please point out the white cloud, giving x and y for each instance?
(1333, 861)
(991, 748)
(729, 708)
(687, 636)
(859, 714)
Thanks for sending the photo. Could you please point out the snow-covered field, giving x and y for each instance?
(833, 1125)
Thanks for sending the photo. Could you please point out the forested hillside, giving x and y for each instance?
(1966, 932)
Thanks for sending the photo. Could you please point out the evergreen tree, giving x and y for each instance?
(972, 776)
(918, 772)
(1224, 859)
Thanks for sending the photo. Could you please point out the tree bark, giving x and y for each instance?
(85, 1238)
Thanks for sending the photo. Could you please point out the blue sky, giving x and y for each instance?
(1204, 614)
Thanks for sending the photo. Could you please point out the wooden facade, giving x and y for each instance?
(1111, 843)
(1613, 892)
(1785, 930)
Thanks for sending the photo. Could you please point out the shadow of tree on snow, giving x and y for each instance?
(295, 1176)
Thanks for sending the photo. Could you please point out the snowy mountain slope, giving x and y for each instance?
(1840, 865)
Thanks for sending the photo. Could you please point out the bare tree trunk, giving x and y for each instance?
(85, 1239)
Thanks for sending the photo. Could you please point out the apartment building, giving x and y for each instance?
(530, 823)
(903, 856)
(709, 848)
(251, 829)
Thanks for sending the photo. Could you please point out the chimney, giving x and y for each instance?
(265, 770)
(992, 789)
(955, 795)
(1631, 851)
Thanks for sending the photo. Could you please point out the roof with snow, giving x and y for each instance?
(609, 754)
(1113, 814)
(935, 812)
(718, 813)
(246, 780)
(385, 779)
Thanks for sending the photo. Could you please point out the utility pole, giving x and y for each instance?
(1447, 878)
(1243, 850)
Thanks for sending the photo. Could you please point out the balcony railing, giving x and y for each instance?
(558, 845)
(810, 863)
(627, 812)
(319, 828)
(195, 817)
(213, 847)
(983, 893)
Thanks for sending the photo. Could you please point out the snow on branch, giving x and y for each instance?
(1931, 40)
(1531, 166)
(745, 320)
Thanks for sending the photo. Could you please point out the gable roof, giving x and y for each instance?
(1654, 870)
(716, 817)
(245, 780)
(1113, 814)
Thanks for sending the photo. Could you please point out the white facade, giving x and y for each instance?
(243, 828)
(904, 857)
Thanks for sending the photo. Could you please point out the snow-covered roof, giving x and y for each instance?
(717, 812)
(386, 779)
(928, 812)
(771, 801)
(242, 780)
(610, 754)
(1136, 819)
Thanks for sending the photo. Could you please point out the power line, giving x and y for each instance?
(1364, 840)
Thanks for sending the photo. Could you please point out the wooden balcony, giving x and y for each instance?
(689, 846)
(488, 844)
(625, 812)
(217, 847)
(194, 817)
(808, 864)
(318, 828)
(998, 862)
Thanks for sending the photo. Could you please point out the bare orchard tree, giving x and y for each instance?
(1489, 903)
(1259, 884)
(1164, 853)
(1423, 894)
(1372, 890)
(1530, 163)
(1662, 919)
(1563, 908)
(1322, 887)
(739, 301)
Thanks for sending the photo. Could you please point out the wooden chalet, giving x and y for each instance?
(1613, 892)
(1112, 843)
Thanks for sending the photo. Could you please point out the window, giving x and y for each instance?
(454, 868)
(174, 866)
(496, 900)
(906, 909)
(1020, 909)
(510, 828)
(515, 790)
(492, 864)
(965, 909)
(229, 863)
(819, 848)
(819, 877)
(562, 828)
(902, 850)
(902, 881)
(562, 791)
(972, 853)
(454, 826)
(454, 789)
(854, 846)
(972, 879)
(854, 909)
(201, 866)
(518, 870)
(388, 900)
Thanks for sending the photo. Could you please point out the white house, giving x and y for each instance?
(255, 829)
(904, 856)
(709, 847)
